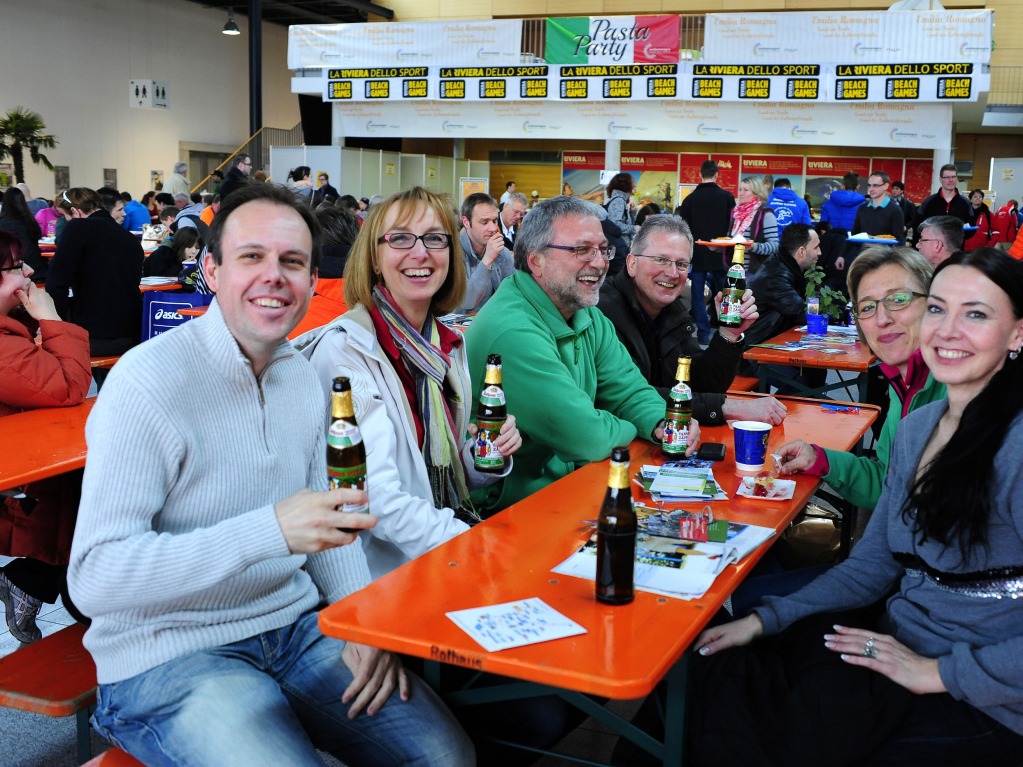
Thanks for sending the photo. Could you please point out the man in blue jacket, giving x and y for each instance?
(840, 208)
(788, 207)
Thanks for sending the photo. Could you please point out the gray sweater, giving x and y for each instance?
(975, 630)
(177, 546)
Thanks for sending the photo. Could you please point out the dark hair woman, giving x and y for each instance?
(931, 674)
(17, 219)
(981, 214)
(38, 525)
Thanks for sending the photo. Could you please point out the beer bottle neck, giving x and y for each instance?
(618, 477)
(493, 375)
(341, 405)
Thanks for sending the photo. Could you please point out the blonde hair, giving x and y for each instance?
(756, 185)
(362, 272)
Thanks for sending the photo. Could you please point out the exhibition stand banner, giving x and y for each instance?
(815, 57)
(895, 126)
(857, 37)
(655, 175)
(612, 40)
(403, 44)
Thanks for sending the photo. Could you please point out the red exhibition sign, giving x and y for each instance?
(836, 167)
(772, 164)
(572, 160)
(890, 165)
(689, 167)
(728, 171)
(650, 161)
(918, 179)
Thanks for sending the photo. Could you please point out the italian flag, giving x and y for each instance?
(612, 40)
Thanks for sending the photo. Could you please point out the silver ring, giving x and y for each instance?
(869, 651)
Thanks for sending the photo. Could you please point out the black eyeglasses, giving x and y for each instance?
(407, 240)
(587, 253)
(681, 265)
(16, 267)
(893, 302)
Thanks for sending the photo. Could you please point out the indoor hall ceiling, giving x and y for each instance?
(288, 12)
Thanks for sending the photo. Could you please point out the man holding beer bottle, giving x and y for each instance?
(572, 385)
(644, 303)
(198, 515)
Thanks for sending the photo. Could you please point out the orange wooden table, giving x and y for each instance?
(856, 358)
(162, 286)
(193, 311)
(628, 649)
(42, 443)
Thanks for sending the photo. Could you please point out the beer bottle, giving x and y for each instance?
(616, 535)
(490, 417)
(346, 452)
(678, 414)
(730, 315)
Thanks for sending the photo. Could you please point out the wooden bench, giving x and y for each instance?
(744, 383)
(54, 677)
(114, 757)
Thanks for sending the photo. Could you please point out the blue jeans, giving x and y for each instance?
(716, 281)
(272, 699)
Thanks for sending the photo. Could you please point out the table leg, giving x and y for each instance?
(675, 713)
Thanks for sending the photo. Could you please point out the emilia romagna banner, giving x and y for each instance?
(612, 40)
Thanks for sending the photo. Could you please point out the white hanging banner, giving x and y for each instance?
(885, 126)
(403, 44)
(865, 37)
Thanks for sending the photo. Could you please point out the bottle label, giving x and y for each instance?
(349, 476)
(487, 456)
(681, 392)
(731, 306)
(492, 396)
(343, 434)
(676, 435)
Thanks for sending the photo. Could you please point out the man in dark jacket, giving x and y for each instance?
(645, 305)
(237, 176)
(947, 201)
(780, 287)
(707, 210)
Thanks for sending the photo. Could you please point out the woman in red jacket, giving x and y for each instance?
(982, 220)
(36, 521)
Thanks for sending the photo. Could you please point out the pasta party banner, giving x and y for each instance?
(612, 40)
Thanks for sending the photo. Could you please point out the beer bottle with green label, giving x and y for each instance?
(730, 314)
(616, 535)
(346, 452)
(678, 414)
(491, 413)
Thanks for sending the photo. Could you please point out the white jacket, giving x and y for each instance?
(408, 524)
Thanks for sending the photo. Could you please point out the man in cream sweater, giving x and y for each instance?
(204, 497)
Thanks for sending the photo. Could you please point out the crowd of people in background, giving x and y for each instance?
(590, 306)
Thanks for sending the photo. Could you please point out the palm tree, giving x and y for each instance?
(22, 129)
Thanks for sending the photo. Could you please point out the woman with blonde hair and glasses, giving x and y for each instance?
(410, 380)
(888, 286)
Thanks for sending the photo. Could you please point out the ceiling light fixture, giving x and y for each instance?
(230, 28)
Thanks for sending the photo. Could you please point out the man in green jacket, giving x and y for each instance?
(572, 386)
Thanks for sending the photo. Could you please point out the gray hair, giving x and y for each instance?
(182, 196)
(663, 223)
(534, 233)
(374, 200)
(518, 197)
(949, 228)
(181, 167)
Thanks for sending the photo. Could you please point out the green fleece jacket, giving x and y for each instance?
(572, 387)
(859, 479)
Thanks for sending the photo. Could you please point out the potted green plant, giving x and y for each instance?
(832, 302)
